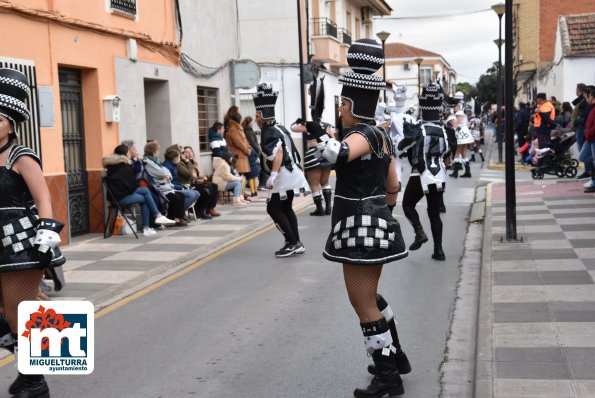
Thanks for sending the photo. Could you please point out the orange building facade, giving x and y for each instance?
(68, 50)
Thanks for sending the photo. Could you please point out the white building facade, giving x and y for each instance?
(170, 104)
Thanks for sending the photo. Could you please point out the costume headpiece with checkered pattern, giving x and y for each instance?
(361, 87)
(14, 91)
(430, 103)
(265, 100)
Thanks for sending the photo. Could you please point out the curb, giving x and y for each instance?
(108, 297)
(484, 370)
(458, 369)
(501, 166)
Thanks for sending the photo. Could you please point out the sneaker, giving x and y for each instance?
(147, 231)
(588, 183)
(590, 189)
(300, 248)
(287, 250)
(164, 220)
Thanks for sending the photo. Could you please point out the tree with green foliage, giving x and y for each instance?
(487, 86)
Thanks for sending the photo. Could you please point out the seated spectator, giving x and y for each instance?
(122, 184)
(189, 175)
(144, 180)
(162, 178)
(172, 159)
(216, 141)
(226, 180)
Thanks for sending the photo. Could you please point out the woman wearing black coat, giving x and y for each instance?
(123, 188)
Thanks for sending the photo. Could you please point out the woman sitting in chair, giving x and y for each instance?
(225, 179)
(189, 175)
(123, 189)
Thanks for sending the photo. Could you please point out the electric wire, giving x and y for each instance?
(434, 16)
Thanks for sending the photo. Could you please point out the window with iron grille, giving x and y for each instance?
(208, 111)
(29, 130)
(127, 7)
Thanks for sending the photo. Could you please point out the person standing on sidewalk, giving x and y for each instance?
(29, 235)
(254, 157)
(364, 234)
(521, 124)
(286, 174)
(543, 120)
(582, 113)
(590, 138)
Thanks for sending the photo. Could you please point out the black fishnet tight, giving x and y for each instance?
(15, 287)
(361, 282)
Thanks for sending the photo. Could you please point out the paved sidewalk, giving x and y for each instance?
(536, 326)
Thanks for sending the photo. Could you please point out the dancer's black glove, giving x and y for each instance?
(47, 239)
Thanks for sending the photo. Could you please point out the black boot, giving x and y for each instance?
(34, 386)
(420, 238)
(328, 206)
(401, 360)
(481, 155)
(387, 379)
(472, 159)
(319, 210)
(438, 254)
(455, 170)
(203, 214)
(467, 173)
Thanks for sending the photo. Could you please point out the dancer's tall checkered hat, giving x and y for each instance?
(361, 87)
(14, 91)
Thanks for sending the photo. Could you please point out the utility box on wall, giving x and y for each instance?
(111, 106)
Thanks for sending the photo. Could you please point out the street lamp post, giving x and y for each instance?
(510, 183)
(418, 61)
(499, 9)
(383, 36)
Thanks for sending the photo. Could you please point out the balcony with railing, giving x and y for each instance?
(325, 41)
(126, 7)
(344, 36)
(324, 27)
(345, 39)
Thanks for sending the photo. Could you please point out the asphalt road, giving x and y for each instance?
(247, 324)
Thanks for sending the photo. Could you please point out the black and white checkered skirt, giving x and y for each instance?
(17, 233)
(364, 232)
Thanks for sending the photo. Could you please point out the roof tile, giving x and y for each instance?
(578, 34)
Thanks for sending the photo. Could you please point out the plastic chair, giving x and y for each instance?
(113, 206)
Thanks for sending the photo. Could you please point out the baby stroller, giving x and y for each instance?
(558, 161)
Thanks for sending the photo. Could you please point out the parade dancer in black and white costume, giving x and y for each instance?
(365, 235)
(426, 144)
(29, 235)
(475, 128)
(398, 117)
(464, 138)
(286, 177)
(317, 168)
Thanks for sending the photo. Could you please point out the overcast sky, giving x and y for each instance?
(465, 41)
